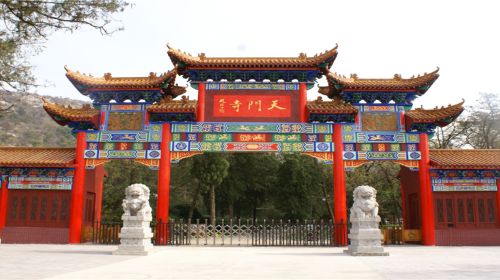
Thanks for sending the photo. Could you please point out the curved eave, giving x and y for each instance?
(331, 109)
(172, 110)
(83, 82)
(62, 117)
(441, 117)
(186, 60)
(174, 107)
(175, 90)
(337, 83)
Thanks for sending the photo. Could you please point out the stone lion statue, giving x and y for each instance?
(136, 201)
(365, 204)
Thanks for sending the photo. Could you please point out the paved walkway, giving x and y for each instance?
(96, 262)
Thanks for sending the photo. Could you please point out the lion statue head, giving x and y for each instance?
(365, 203)
(136, 201)
(365, 192)
(137, 191)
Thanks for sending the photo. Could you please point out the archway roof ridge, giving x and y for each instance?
(328, 57)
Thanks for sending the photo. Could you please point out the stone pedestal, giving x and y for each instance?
(135, 236)
(365, 237)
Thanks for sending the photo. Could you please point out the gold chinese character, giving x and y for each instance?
(256, 102)
(221, 110)
(296, 128)
(311, 138)
(206, 128)
(217, 127)
(206, 146)
(278, 137)
(236, 105)
(275, 105)
(297, 147)
(286, 128)
(287, 147)
(222, 103)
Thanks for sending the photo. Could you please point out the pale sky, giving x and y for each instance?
(376, 39)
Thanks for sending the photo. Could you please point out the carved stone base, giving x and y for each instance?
(365, 237)
(135, 236)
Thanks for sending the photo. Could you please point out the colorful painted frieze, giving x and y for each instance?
(185, 146)
(289, 128)
(368, 137)
(377, 155)
(217, 137)
(252, 86)
(464, 184)
(35, 171)
(40, 183)
(122, 154)
(484, 188)
(123, 136)
(465, 173)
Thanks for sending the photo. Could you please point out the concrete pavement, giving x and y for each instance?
(203, 262)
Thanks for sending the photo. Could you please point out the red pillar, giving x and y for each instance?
(76, 212)
(427, 206)
(200, 117)
(303, 102)
(4, 199)
(339, 195)
(164, 175)
(498, 198)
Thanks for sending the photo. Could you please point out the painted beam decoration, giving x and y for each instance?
(376, 155)
(183, 146)
(40, 183)
(463, 184)
(252, 86)
(443, 180)
(122, 154)
(349, 165)
(175, 157)
(465, 173)
(254, 127)
(33, 171)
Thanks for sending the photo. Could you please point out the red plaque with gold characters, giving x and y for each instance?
(252, 106)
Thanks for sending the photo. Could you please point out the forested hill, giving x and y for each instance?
(30, 125)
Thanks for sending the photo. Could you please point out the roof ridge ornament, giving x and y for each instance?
(107, 76)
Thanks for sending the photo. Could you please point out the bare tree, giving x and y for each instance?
(483, 122)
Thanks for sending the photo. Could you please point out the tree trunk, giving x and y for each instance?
(212, 205)
(254, 210)
(193, 203)
(397, 213)
(325, 193)
(328, 203)
(238, 213)
(230, 210)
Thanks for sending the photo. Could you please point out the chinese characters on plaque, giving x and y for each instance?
(252, 106)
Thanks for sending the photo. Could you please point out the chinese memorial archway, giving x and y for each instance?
(259, 105)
